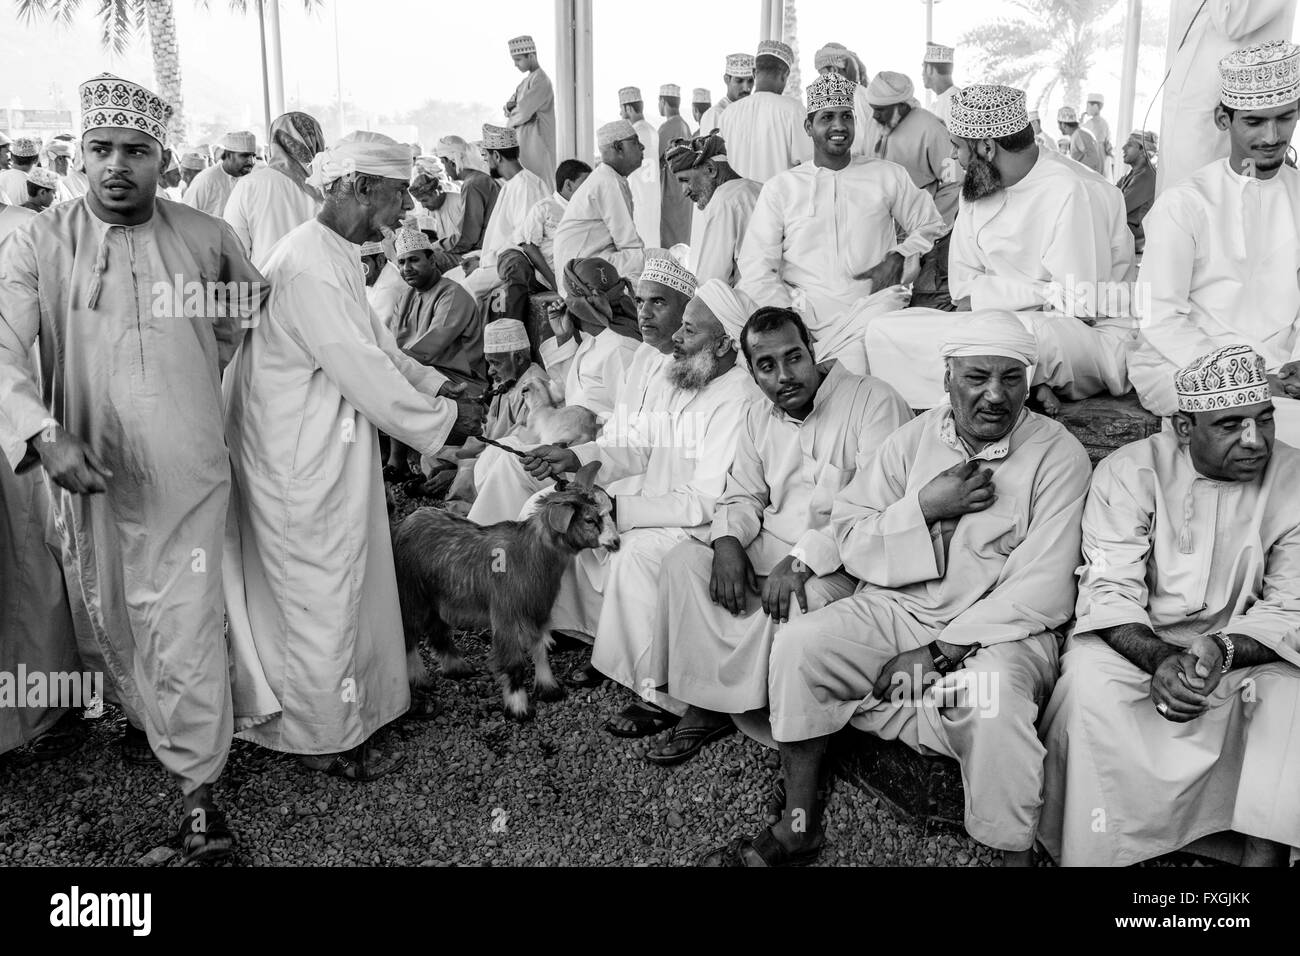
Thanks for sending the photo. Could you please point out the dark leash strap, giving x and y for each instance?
(561, 484)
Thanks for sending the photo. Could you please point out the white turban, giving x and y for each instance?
(504, 335)
(390, 160)
(889, 89)
(992, 332)
(732, 309)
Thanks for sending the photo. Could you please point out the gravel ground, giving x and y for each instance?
(476, 789)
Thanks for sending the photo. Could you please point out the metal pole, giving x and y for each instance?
(1128, 80)
(584, 100)
(338, 72)
(929, 21)
(276, 64)
(765, 20)
(266, 86)
(566, 120)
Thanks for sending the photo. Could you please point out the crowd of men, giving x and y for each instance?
(824, 344)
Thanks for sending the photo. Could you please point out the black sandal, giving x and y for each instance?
(355, 765)
(206, 828)
(763, 850)
(135, 747)
(647, 720)
(67, 734)
(697, 738)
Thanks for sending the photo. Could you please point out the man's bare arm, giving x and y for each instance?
(1139, 645)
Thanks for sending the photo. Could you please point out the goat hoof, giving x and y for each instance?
(550, 693)
(518, 707)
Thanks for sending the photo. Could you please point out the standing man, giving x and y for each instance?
(1222, 253)
(6, 142)
(192, 163)
(936, 76)
(701, 103)
(765, 131)
(645, 181)
(739, 80)
(436, 322)
(598, 222)
(531, 111)
(675, 208)
(1083, 145)
(702, 172)
(42, 184)
(1100, 131)
(1043, 140)
(273, 200)
(24, 154)
(211, 188)
(1175, 714)
(125, 418)
(320, 661)
(502, 265)
(1139, 184)
(825, 237)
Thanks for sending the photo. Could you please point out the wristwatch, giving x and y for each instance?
(943, 664)
(797, 566)
(1229, 651)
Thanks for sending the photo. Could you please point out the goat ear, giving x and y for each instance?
(559, 517)
(585, 478)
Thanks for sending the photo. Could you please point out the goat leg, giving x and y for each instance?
(545, 685)
(454, 666)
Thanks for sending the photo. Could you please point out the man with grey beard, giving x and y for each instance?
(682, 451)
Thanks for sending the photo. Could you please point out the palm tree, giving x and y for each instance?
(122, 21)
(1046, 44)
(790, 34)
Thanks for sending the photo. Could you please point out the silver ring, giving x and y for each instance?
(1163, 708)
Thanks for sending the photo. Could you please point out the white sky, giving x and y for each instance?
(397, 53)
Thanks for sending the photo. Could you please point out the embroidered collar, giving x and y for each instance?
(994, 452)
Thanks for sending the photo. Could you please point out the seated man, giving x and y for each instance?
(435, 321)
(1028, 238)
(681, 451)
(598, 221)
(824, 237)
(478, 195)
(723, 197)
(542, 221)
(773, 554)
(611, 374)
(514, 375)
(1223, 250)
(384, 285)
(1175, 714)
(501, 265)
(964, 531)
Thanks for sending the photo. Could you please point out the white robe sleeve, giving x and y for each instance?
(22, 413)
(629, 255)
(882, 534)
(692, 504)
(720, 239)
(1166, 275)
(237, 216)
(761, 252)
(1117, 544)
(746, 495)
(1034, 592)
(916, 213)
(362, 369)
(533, 96)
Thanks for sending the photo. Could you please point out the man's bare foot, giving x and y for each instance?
(203, 832)
(693, 732)
(1046, 398)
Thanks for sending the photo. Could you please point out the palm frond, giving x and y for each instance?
(121, 21)
(61, 12)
